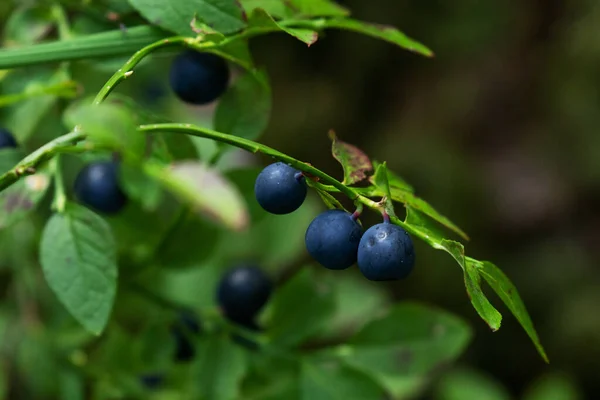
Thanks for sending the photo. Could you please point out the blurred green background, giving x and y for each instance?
(499, 131)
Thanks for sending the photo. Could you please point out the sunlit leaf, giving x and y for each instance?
(108, 124)
(176, 15)
(78, 257)
(205, 190)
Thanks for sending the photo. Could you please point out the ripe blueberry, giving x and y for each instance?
(332, 239)
(242, 292)
(279, 189)
(198, 78)
(7, 139)
(386, 253)
(152, 381)
(187, 325)
(97, 186)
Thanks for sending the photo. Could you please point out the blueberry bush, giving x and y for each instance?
(143, 260)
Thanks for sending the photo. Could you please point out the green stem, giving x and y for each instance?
(105, 44)
(29, 164)
(60, 197)
(62, 22)
(127, 69)
(254, 147)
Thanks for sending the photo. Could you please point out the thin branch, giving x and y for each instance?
(32, 162)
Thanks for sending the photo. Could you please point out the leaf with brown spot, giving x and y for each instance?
(354, 161)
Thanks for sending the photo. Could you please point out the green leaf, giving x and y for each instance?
(482, 305)
(409, 342)
(24, 117)
(330, 201)
(480, 302)
(312, 302)
(244, 179)
(394, 179)
(276, 8)
(27, 25)
(406, 344)
(330, 381)
(357, 300)
(245, 109)
(507, 291)
(36, 363)
(380, 179)
(79, 261)
(140, 187)
(176, 15)
(259, 20)
(17, 201)
(236, 51)
(354, 161)
(108, 124)
(220, 369)
(383, 32)
(421, 226)
(468, 384)
(178, 250)
(421, 205)
(318, 8)
(298, 9)
(66, 89)
(205, 190)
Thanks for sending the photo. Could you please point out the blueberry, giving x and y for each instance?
(7, 139)
(198, 78)
(386, 253)
(97, 186)
(152, 381)
(242, 292)
(279, 189)
(182, 331)
(332, 239)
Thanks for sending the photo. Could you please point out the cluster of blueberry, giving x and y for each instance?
(335, 239)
